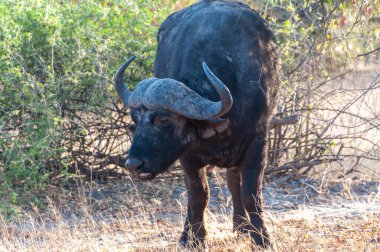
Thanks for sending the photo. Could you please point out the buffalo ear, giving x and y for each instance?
(211, 130)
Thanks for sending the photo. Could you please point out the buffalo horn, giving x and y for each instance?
(172, 95)
(221, 89)
(122, 90)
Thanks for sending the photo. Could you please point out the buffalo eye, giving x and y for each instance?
(161, 120)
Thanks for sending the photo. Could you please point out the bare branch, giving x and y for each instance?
(368, 53)
(299, 165)
(280, 121)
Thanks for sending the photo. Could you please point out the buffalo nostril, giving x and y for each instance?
(133, 163)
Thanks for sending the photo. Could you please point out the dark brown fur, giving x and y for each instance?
(240, 49)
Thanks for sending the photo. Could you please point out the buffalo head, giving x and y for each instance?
(165, 112)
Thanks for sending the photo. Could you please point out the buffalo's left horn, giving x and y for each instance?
(122, 90)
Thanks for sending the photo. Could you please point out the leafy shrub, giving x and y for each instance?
(58, 111)
(58, 58)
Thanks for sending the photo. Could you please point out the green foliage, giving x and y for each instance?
(336, 30)
(58, 58)
(53, 54)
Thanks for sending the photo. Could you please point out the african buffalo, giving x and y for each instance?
(215, 86)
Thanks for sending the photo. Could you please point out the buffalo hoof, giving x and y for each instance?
(261, 239)
(193, 244)
(182, 242)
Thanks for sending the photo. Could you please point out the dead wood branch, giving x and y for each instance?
(299, 165)
(280, 121)
(368, 53)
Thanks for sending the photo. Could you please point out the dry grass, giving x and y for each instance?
(144, 223)
(120, 234)
(360, 233)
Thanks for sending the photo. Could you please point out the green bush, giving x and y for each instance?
(59, 112)
(55, 54)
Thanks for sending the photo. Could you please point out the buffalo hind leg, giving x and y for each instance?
(252, 171)
(194, 234)
(240, 220)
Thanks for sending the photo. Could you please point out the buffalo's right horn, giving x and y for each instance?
(122, 90)
(221, 89)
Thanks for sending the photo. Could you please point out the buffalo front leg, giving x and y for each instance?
(185, 233)
(240, 220)
(252, 171)
(194, 233)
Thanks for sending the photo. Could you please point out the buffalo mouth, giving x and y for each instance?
(142, 168)
(146, 175)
